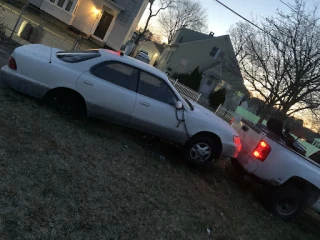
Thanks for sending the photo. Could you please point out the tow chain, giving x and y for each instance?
(183, 120)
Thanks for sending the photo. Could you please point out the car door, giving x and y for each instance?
(110, 91)
(155, 110)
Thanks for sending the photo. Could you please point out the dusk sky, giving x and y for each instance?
(220, 19)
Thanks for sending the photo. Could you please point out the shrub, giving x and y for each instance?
(193, 80)
(217, 98)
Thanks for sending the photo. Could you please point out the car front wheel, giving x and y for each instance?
(200, 150)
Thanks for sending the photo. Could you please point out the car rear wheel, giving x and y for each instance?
(287, 203)
(67, 103)
(200, 150)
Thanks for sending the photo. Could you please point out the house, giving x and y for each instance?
(214, 56)
(109, 22)
(153, 49)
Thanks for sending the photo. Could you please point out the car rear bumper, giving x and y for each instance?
(22, 84)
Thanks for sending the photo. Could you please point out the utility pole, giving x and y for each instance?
(20, 15)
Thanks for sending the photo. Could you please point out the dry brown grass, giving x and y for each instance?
(63, 179)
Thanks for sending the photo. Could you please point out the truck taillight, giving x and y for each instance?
(262, 151)
(12, 63)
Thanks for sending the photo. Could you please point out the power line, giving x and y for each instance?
(239, 15)
(253, 24)
(288, 5)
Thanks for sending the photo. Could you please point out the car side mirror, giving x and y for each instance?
(179, 105)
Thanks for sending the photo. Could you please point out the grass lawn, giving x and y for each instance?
(64, 179)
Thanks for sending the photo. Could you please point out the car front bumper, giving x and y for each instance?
(231, 150)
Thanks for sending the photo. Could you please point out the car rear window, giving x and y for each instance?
(77, 56)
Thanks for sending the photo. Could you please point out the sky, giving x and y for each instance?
(220, 19)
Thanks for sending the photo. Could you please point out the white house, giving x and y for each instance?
(213, 55)
(108, 21)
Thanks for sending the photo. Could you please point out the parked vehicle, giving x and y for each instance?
(107, 85)
(295, 178)
(143, 56)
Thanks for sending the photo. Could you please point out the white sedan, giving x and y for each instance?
(107, 85)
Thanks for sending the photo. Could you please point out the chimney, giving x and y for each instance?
(211, 34)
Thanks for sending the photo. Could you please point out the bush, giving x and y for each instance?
(193, 80)
(217, 98)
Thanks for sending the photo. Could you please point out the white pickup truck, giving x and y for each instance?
(295, 178)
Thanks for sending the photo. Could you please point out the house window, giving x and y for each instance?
(52, 1)
(61, 3)
(69, 5)
(217, 53)
(214, 52)
(221, 54)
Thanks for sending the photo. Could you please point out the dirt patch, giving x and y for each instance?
(64, 179)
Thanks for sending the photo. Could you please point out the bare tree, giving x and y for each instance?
(164, 4)
(282, 62)
(183, 13)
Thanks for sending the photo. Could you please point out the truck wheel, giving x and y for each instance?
(200, 150)
(287, 202)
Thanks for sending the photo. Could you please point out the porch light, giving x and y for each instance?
(96, 11)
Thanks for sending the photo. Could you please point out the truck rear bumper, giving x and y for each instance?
(247, 163)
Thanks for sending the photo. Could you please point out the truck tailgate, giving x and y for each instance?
(250, 136)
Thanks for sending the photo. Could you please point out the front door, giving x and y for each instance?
(103, 25)
(155, 111)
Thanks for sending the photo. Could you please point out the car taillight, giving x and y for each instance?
(12, 63)
(262, 151)
(236, 140)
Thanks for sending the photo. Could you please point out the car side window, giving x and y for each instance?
(120, 74)
(156, 88)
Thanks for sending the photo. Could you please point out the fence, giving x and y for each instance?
(185, 91)
(53, 32)
(225, 113)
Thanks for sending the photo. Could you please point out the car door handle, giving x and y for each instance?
(88, 83)
(145, 104)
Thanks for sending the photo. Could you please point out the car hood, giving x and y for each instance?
(211, 117)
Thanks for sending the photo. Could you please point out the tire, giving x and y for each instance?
(200, 150)
(287, 203)
(67, 103)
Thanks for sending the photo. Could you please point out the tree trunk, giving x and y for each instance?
(263, 115)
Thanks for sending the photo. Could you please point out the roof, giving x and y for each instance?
(112, 55)
(188, 35)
